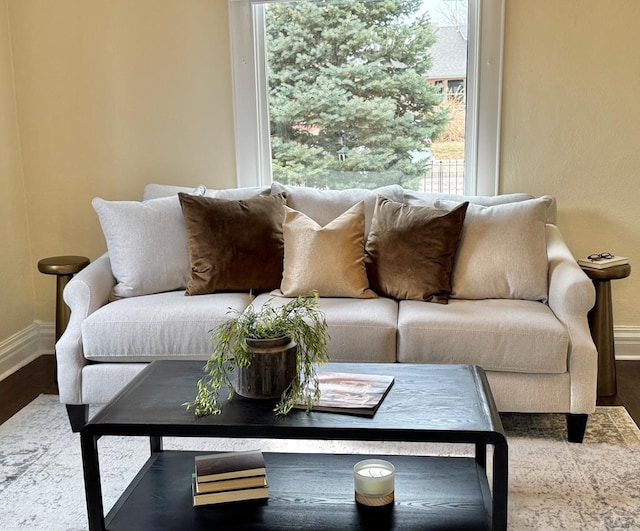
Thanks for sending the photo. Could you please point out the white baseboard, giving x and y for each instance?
(627, 342)
(25, 346)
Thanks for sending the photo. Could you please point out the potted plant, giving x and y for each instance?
(298, 329)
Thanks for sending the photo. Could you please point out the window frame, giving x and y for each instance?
(483, 94)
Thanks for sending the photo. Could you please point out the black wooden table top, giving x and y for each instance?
(436, 403)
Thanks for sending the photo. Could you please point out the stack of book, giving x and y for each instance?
(602, 261)
(229, 477)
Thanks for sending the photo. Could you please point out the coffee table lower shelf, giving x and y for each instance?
(310, 491)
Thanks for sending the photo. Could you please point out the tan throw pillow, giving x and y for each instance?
(410, 250)
(234, 245)
(502, 252)
(327, 259)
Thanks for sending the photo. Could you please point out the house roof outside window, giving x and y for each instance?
(449, 53)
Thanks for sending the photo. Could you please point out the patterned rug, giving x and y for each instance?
(553, 484)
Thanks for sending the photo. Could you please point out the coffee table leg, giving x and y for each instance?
(500, 485)
(481, 455)
(155, 441)
(92, 485)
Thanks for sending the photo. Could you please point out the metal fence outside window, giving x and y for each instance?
(444, 176)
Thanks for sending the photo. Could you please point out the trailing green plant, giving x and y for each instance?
(299, 319)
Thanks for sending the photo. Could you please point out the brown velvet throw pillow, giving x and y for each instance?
(234, 245)
(411, 249)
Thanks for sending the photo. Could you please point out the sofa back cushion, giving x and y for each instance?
(502, 252)
(323, 206)
(154, 191)
(147, 244)
(234, 245)
(429, 199)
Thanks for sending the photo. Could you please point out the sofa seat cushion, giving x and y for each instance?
(161, 326)
(496, 334)
(360, 330)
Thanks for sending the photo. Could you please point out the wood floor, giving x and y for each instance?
(17, 390)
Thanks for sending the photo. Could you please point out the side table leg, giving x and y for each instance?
(63, 312)
(92, 485)
(601, 324)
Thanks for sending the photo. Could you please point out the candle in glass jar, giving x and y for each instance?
(374, 477)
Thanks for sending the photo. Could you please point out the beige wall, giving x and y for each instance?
(571, 124)
(113, 94)
(16, 266)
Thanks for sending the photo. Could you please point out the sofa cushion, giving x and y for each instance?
(153, 191)
(161, 326)
(234, 245)
(410, 250)
(361, 330)
(147, 244)
(429, 198)
(322, 206)
(502, 252)
(329, 259)
(496, 334)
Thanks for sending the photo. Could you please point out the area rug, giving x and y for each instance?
(553, 484)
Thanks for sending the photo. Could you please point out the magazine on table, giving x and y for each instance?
(350, 393)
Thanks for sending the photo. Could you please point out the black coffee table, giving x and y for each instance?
(428, 403)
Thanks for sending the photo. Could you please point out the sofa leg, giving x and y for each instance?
(576, 426)
(78, 416)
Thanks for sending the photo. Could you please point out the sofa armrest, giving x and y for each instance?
(84, 294)
(571, 296)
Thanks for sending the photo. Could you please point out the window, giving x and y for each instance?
(375, 139)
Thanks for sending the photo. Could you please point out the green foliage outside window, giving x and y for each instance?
(348, 98)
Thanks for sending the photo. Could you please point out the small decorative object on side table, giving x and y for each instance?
(601, 316)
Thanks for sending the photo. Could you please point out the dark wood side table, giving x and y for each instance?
(64, 267)
(601, 325)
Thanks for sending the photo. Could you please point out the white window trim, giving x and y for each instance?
(484, 95)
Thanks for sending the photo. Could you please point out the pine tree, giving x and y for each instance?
(348, 98)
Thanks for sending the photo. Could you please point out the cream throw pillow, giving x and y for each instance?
(502, 252)
(147, 243)
(327, 259)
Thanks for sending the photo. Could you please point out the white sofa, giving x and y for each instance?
(537, 350)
